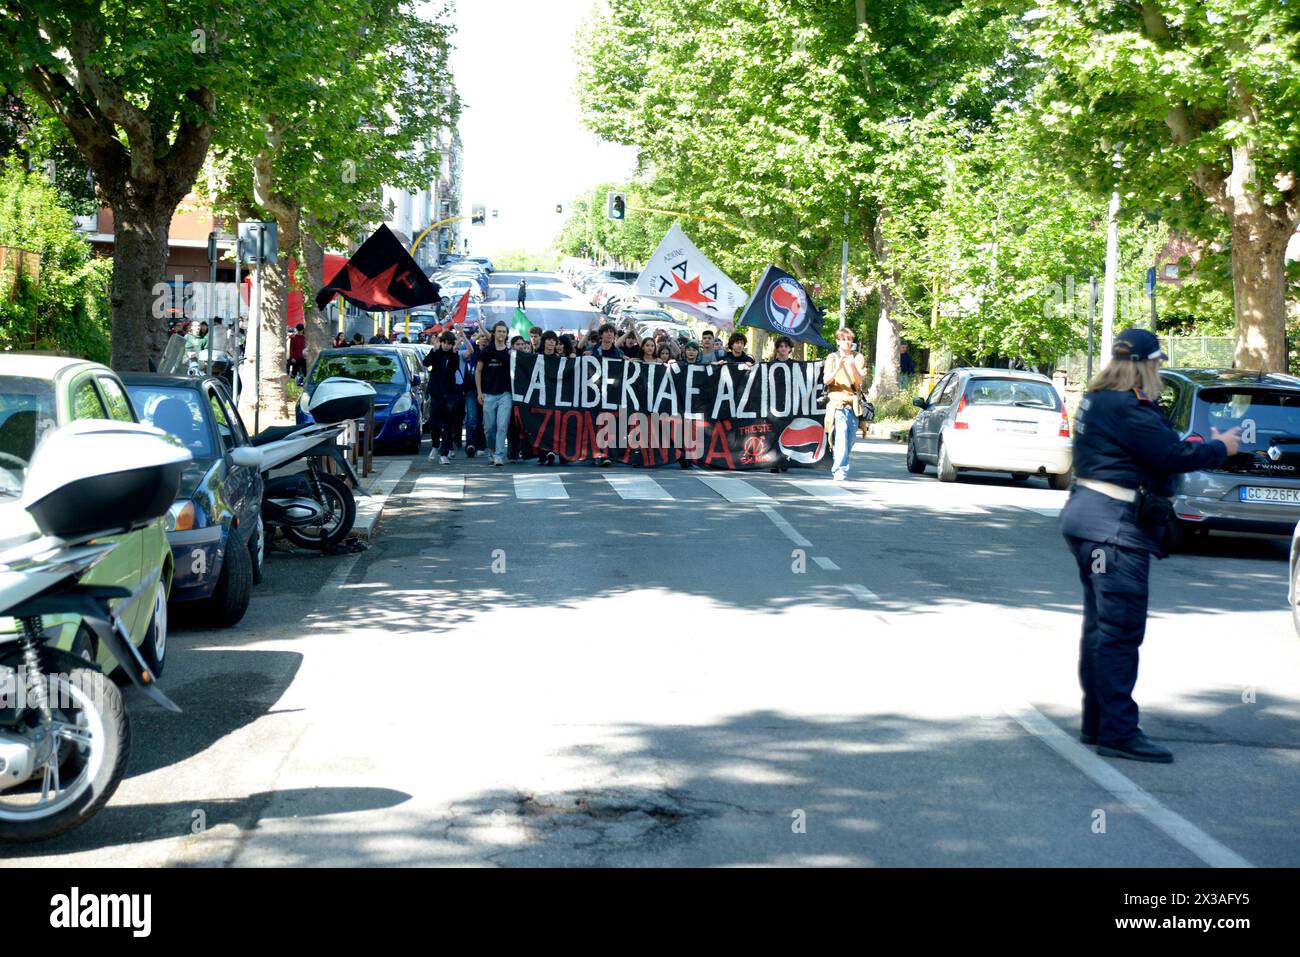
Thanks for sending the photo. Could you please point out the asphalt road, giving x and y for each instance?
(614, 666)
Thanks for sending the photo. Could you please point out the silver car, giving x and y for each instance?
(1258, 489)
(992, 420)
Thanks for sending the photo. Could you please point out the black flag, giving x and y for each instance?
(381, 276)
(782, 305)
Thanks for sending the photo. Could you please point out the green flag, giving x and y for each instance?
(520, 324)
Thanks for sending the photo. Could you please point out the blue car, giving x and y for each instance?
(215, 526)
(398, 402)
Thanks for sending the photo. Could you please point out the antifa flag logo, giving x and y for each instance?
(381, 276)
(787, 306)
(803, 440)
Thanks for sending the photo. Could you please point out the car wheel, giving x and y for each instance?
(1059, 483)
(154, 648)
(947, 471)
(257, 550)
(85, 646)
(234, 588)
(914, 463)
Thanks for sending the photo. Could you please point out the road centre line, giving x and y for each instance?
(1102, 773)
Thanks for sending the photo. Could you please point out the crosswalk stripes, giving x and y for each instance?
(540, 487)
(736, 490)
(637, 488)
(837, 494)
(431, 485)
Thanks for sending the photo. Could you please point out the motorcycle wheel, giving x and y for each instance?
(341, 515)
(93, 744)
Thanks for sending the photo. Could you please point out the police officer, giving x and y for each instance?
(1117, 515)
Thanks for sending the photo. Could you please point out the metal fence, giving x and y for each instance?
(1185, 352)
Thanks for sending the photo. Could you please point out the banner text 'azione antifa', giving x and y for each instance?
(647, 414)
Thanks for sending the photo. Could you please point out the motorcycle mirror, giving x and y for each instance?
(247, 456)
(96, 476)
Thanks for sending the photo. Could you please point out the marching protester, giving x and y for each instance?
(691, 353)
(444, 395)
(1116, 518)
(843, 373)
(784, 349)
(521, 294)
(357, 340)
(339, 341)
(492, 384)
(535, 339)
(736, 354)
(631, 345)
(564, 346)
(710, 351)
(470, 350)
(648, 350)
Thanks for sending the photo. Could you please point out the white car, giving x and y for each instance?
(992, 420)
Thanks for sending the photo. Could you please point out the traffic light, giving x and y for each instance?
(615, 205)
(478, 215)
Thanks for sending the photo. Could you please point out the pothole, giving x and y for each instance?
(621, 818)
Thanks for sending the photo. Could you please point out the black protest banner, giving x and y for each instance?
(648, 414)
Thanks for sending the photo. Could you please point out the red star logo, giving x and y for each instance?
(373, 291)
(689, 292)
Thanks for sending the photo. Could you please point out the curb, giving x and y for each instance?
(371, 508)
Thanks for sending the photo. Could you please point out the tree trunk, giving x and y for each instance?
(885, 381)
(319, 333)
(1259, 291)
(139, 258)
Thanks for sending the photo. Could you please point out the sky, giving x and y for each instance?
(525, 148)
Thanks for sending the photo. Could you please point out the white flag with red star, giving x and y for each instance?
(679, 275)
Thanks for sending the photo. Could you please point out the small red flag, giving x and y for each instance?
(462, 309)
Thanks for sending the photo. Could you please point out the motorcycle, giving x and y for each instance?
(64, 734)
(313, 508)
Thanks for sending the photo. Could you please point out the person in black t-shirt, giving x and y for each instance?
(736, 354)
(492, 381)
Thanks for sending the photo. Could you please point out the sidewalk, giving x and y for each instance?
(378, 487)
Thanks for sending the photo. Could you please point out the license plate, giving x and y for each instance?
(1012, 425)
(1271, 496)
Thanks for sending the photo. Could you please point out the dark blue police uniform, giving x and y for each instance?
(1121, 438)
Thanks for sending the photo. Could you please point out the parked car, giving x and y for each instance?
(215, 527)
(414, 355)
(1258, 489)
(992, 420)
(484, 262)
(39, 393)
(397, 403)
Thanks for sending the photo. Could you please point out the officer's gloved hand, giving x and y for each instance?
(1231, 439)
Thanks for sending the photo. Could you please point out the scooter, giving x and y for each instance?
(313, 508)
(64, 734)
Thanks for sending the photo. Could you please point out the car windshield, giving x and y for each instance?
(27, 412)
(1272, 413)
(366, 366)
(1021, 393)
(177, 412)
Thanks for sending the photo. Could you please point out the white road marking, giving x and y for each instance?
(637, 488)
(862, 592)
(1045, 512)
(539, 487)
(790, 531)
(435, 486)
(735, 490)
(1101, 772)
(836, 494)
(825, 563)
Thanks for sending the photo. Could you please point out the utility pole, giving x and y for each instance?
(1109, 287)
(1092, 311)
(844, 266)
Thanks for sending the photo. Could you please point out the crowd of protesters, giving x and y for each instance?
(469, 379)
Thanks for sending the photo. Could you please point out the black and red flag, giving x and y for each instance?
(381, 276)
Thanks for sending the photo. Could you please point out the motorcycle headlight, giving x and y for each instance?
(401, 405)
(181, 517)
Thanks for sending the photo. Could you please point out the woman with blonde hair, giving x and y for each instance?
(844, 374)
(1125, 458)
